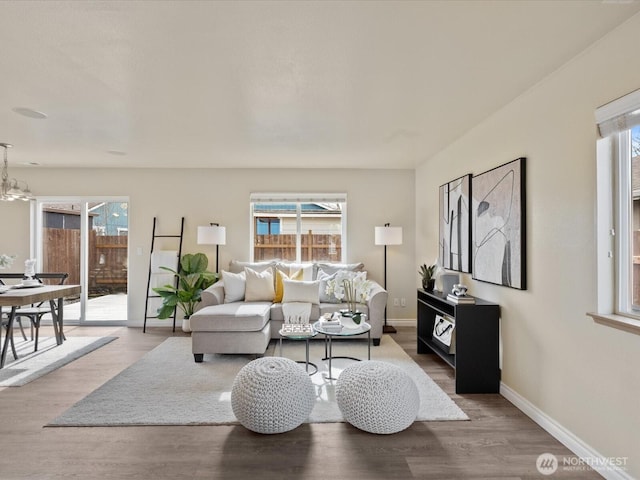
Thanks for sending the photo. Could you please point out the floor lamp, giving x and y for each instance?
(213, 235)
(387, 235)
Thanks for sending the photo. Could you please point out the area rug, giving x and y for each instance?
(31, 365)
(166, 387)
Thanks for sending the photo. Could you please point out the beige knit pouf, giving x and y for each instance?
(272, 395)
(377, 397)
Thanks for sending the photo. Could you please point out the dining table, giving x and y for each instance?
(16, 297)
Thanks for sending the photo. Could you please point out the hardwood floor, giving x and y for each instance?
(498, 442)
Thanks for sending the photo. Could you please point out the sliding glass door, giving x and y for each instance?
(88, 239)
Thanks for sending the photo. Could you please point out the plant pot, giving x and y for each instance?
(428, 285)
(186, 325)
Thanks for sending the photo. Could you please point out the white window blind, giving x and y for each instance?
(298, 197)
(619, 115)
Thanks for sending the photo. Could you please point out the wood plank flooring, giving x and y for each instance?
(499, 442)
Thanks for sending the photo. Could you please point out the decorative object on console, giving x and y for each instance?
(455, 224)
(459, 290)
(193, 278)
(448, 280)
(444, 333)
(428, 274)
(499, 225)
(387, 235)
(9, 189)
(213, 235)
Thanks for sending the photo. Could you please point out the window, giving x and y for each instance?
(618, 217)
(298, 227)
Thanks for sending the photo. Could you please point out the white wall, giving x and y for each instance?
(583, 375)
(374, 197)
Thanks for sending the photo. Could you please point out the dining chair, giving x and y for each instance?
(36, 312)
(4, 316)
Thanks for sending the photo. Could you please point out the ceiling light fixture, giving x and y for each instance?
(10, 189)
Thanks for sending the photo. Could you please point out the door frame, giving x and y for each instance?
(36, 248)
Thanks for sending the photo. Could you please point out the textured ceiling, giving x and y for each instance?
(264, 84)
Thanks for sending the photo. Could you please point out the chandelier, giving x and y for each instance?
(11, 189)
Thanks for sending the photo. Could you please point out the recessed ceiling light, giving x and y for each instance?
(29, 112)
(31, 164)
(117, 152)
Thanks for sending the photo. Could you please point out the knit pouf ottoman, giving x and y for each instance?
(272, 395)
(377, 397)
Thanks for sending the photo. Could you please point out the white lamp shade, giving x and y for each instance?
(388, 236)
(212, 235)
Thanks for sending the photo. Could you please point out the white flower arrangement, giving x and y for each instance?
(350, 288)
(6, 260)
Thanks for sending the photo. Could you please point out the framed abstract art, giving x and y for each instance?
(499, 225)
(455, 225)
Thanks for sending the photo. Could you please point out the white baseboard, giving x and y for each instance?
(401, 322)
(584, 451)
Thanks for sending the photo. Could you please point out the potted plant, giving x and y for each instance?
(428, 274)
(193, 278)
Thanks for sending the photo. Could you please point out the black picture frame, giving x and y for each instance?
(454, 244)
(499, 225)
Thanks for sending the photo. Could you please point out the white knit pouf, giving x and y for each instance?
(272, 395)
(377, 397)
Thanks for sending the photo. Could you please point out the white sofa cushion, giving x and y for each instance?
(259, 286)
(232, 317)
(234, 286)
(335, 267)
(236, 266)
(307, 292)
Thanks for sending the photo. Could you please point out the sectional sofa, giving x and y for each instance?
(235, 321)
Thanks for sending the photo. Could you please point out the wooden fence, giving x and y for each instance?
(315, 247)
(107, 259)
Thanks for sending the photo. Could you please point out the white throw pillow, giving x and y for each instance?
(234, 285)
(236, 266)
(295, 291)
(336, 267)
(323, 278)
(259, 287)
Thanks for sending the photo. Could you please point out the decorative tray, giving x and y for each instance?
(296, 329)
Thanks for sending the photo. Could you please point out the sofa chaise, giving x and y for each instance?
(229, 320)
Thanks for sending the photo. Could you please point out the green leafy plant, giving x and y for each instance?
(193, 278)
(428, 274)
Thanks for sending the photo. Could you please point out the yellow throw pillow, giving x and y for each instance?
(280, 278)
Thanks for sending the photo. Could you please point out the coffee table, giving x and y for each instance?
(291, 334)
(363, 328)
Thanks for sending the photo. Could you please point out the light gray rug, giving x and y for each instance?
(166, 387)
(31, 365)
